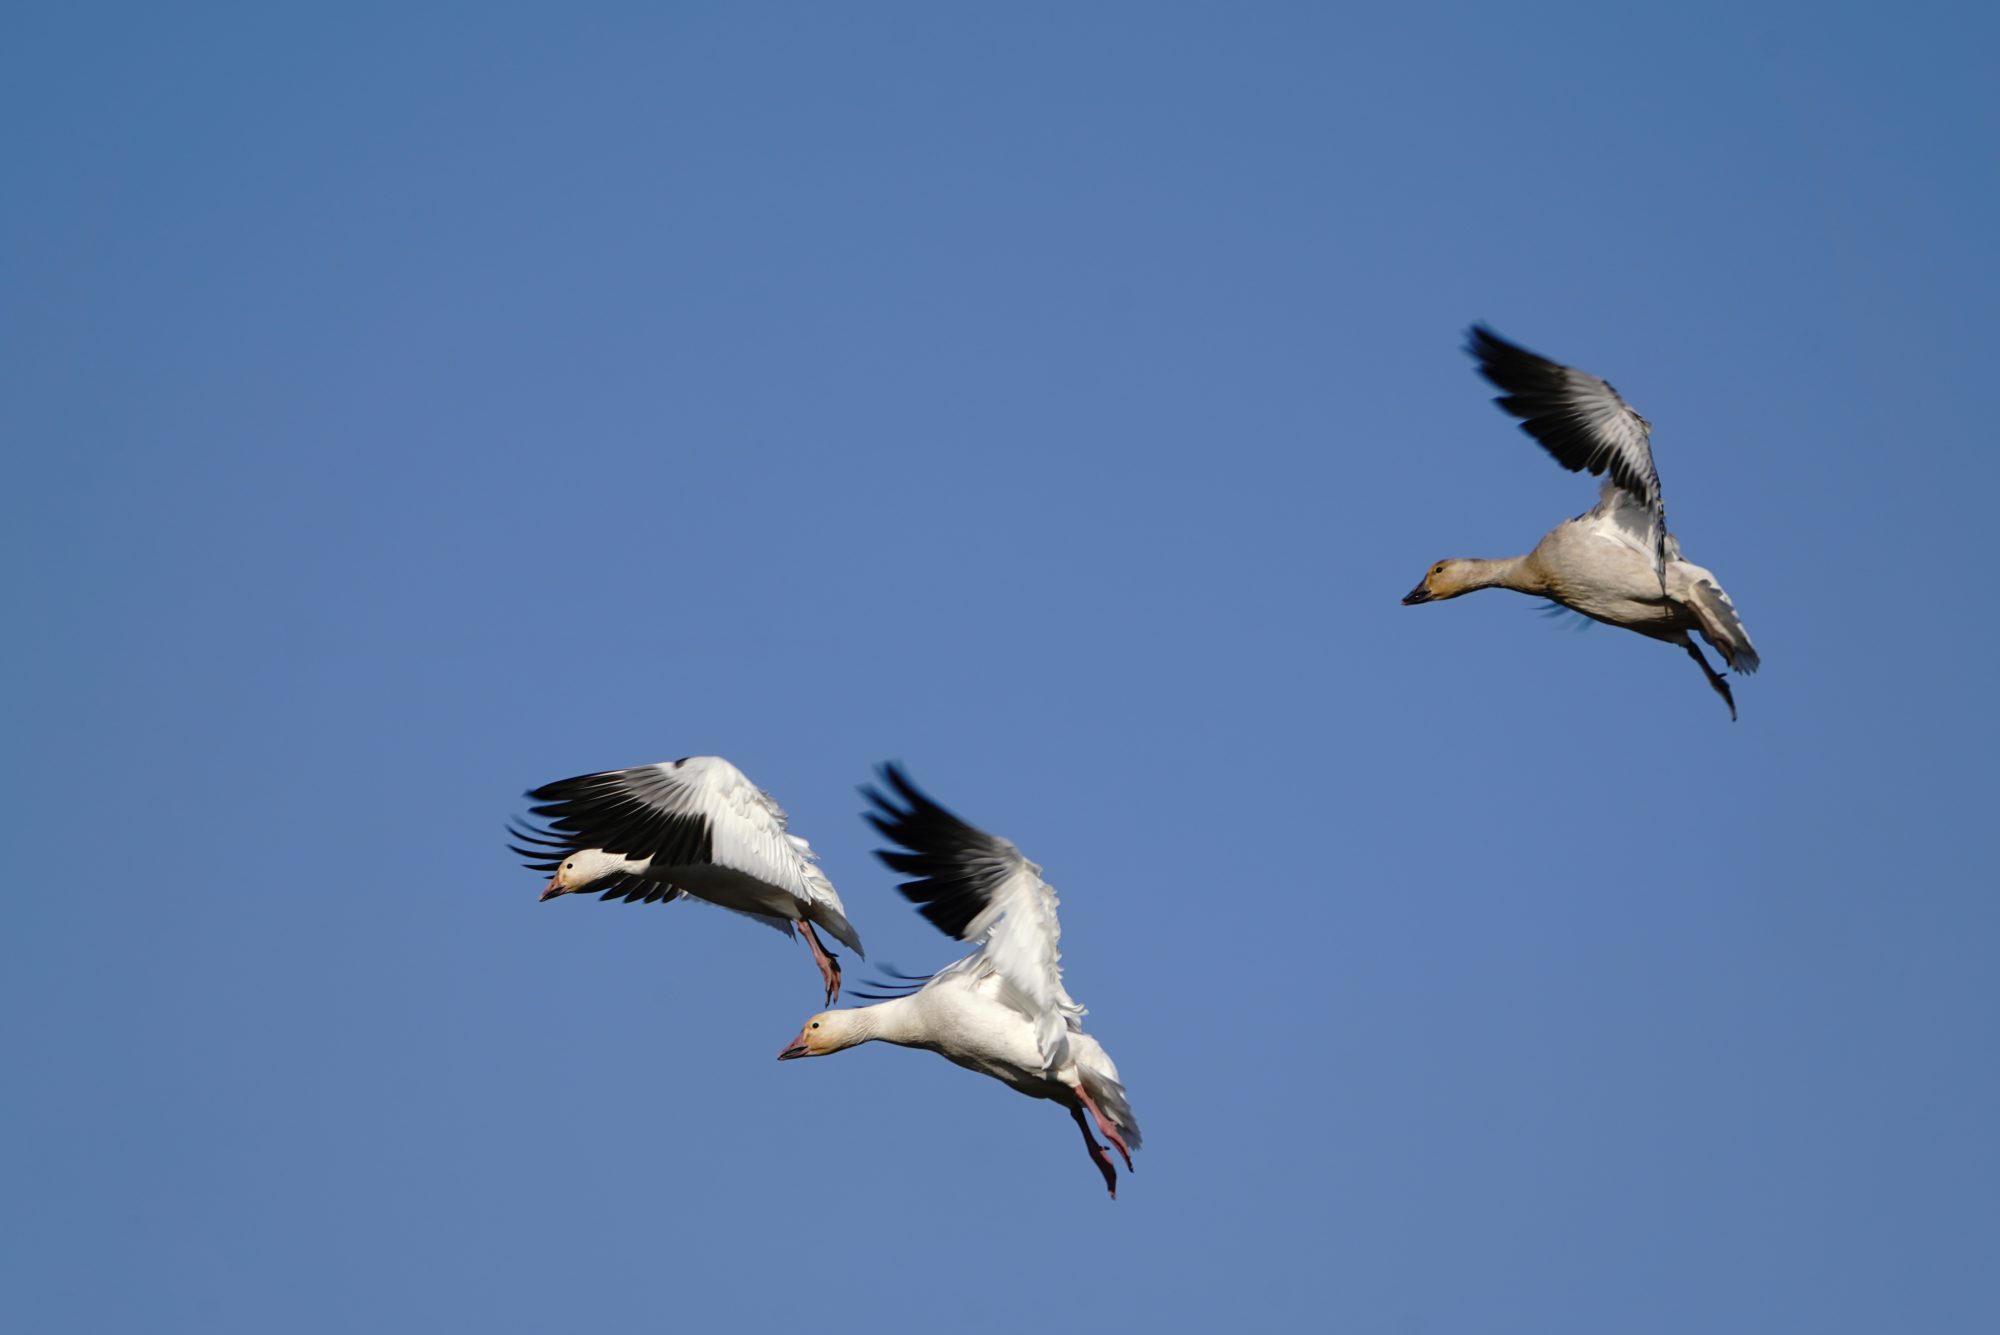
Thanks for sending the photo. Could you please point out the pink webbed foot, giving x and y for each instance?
(1097, 1154)
(829, 967)
(1104, 1126)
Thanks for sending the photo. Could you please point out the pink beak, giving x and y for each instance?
(796, 1048)
(551, 890)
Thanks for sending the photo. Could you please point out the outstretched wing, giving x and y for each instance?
(695, 812)
(978, 887)
(1579, 419)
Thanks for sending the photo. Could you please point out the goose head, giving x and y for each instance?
(1446, 579)
(827, 1032)
(582, 869)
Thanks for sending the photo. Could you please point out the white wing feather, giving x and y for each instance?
(1019, 936)
(748, 825)
(979, 888)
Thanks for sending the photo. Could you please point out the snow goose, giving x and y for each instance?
(1616, 562)
(1002, 1010)
(695, 828)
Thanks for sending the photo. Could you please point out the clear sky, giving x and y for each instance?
(407, 405)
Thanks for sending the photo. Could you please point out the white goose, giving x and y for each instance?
(1615, 563)
(695, 828)
(1002, 1010)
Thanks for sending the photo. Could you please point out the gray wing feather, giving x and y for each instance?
(1579, 419)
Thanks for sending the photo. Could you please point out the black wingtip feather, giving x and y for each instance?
(900, 976)
(1543, 394)
(955, 867)
(892, 983)
(528, 835)
(538, 848)
(616, 811)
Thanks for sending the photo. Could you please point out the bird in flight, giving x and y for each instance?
(1616, 562)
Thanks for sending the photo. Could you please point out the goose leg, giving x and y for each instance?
(829, 967)
(1104, 1126)
(1715, 679)
(1097, 1154)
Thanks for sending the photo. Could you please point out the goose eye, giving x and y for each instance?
(813, 1025)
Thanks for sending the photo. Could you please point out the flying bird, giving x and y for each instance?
(695, 828)
(1002, 1010)
(1616, 562)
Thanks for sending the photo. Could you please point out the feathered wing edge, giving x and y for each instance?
(1580, 419)
(550, 853)
(635, 813)
(1721, 626)
(957, 869)
(979, 888)
(892, 984)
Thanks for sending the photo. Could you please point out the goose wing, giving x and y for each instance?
(1721, 626)
(1579, 419)
(979, 888)
(693, 812)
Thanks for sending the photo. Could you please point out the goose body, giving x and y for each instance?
(694, 828)
(1615, 563)
(1002, 1010)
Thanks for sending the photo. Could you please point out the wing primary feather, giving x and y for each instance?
(1580, 419)
(956, 868)
(894, 972)
(529, 836)
(623, 815)
(978, 887)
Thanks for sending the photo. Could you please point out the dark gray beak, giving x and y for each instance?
(1420, 594)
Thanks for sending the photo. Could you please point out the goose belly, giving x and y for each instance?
(986, 1036)
(1609, 582)
(1621, 609)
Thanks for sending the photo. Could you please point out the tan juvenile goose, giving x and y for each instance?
(1615, 563)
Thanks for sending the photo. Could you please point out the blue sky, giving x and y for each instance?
(409, 405)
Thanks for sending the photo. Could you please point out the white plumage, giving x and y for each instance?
(1002, 1010)
(694, 828)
